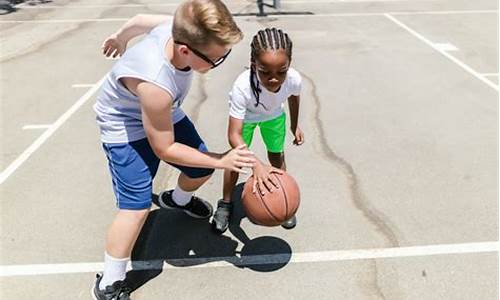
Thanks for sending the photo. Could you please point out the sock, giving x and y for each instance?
(181, 197)
(114, 270)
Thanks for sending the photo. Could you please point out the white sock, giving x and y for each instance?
(114, 270)
(181, 197)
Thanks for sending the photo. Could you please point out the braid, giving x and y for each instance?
(265, 40)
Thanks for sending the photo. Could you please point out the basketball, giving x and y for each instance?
(271, 209)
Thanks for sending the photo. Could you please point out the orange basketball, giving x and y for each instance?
(274, 208)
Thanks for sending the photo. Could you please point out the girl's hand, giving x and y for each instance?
(299, 136)
(263, 180)
(113, 46)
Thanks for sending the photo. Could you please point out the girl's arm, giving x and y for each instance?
(116, 43)
(234, 132)
(293, 105)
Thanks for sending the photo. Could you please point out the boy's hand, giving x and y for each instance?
(299, 136)
(237, 159)
(113, 46)
(263, 179)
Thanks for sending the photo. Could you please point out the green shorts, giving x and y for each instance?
(273, 133)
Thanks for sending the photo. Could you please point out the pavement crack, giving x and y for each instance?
(202, 97)
(374, 216)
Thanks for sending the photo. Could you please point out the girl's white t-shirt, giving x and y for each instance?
(242, 102)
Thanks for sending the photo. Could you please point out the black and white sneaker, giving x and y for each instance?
(196, 208)
(290, 223)
(220, 221)
(117, 291)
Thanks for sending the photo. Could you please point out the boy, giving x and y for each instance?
(141, 123)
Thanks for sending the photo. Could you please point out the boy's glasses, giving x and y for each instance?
(202, 56)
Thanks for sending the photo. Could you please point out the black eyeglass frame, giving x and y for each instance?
(214, 64)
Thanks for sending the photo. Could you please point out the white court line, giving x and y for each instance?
(83, 85)
(27, 6)
(446, 54)
(48, 133)
(451, 12)
(43, 126)
(228, 261)
(444, 12)
(65, 20)
(445, 47)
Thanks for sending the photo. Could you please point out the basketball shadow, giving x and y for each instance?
(262, 254)
(172, 237)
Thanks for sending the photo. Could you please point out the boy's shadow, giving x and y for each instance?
(174, 238)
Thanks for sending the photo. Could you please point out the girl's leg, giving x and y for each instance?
(230, 179)
(277, 160)
(220, 221)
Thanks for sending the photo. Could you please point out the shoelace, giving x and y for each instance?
(123, 292)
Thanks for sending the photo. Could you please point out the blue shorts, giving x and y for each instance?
(133, 166)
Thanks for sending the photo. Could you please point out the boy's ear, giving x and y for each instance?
(183, 49)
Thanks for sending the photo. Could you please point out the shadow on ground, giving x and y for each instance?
(9, 6)
(174, 238)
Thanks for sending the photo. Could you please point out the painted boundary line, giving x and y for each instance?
(48, 133)
(449, 12)
(446, 54)
(86, 6)
(217, 262)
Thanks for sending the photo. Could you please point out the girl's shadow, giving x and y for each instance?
(174, 238)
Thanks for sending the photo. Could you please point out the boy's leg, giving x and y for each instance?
(190, 179)
(133, 167)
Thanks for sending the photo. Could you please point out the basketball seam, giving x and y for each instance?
(265, 206)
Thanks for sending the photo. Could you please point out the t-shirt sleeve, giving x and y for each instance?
(237, 103)
(162, 29)
(295, 82)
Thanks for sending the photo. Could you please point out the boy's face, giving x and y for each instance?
(271, 67)
(204, 59)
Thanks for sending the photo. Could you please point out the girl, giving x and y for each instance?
(257, 100)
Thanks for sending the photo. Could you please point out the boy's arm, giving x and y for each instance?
(261, 171)
(293, 105)
(116, 43)
(156, 105)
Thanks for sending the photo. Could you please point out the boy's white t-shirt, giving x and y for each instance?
(118, 111)
(242, 100)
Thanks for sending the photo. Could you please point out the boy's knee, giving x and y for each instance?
(138, 215)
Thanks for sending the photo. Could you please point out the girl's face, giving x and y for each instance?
(271, 67)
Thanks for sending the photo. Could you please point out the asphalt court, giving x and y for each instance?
(399, 108)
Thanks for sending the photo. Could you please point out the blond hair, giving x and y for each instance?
(201, 22)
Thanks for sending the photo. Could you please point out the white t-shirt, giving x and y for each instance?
(119, 111)
(242, 100)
